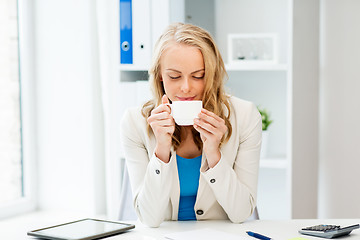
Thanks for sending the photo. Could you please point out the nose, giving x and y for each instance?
(185, 85)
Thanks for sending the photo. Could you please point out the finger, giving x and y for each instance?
(163, 123)
(208, 127)
(210, 119)
(159, 116)
(161, 108)
(164, 99)
(207, 112)
(202, 131)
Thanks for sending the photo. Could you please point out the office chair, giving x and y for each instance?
(126, 210)
(256, 214)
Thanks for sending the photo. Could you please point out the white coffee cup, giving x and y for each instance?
(184, 112)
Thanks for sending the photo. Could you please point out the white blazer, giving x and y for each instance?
(226, 191)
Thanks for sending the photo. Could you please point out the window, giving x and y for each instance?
(11, 185)
(14, 171)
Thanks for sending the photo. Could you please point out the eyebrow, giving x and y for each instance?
(180, 72)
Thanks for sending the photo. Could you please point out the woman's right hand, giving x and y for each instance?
(163, 126)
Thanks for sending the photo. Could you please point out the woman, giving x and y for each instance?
(205, 171)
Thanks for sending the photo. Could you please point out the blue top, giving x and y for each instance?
(189, 173)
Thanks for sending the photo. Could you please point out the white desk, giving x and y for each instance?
(16, 228)
(278, 230)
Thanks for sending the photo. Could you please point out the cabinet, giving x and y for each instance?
(268, 85)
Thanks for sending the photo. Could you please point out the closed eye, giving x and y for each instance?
(177, 77)
(201, 77)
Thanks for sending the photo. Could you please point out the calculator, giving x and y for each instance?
(328, 231)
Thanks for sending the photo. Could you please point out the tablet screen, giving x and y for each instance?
(82, 229)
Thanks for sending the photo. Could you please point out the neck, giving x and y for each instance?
(186, 132)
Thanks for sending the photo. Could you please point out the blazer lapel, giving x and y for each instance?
(175, 194)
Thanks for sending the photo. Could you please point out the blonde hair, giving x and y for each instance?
(214, 96)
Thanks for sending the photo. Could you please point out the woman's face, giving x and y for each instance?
(182, 72)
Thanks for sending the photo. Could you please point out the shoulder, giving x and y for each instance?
(132, 113)
(243, 113)
(238, 102)
(241, 107)
(133, 119)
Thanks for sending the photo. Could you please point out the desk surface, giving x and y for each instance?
(278, 230)
(16, 228)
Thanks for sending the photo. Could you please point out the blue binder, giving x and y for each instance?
(126, 35)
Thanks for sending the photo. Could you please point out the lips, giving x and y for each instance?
(186, 98)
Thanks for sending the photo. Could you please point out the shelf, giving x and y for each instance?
(255, 67)
(278, 163)
(130, 67)
(262, 82)
(229, 67)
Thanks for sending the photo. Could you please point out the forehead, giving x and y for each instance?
(181, 55)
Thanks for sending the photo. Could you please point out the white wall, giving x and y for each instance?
(305, 108)
(70, 132)
(266, 88)
(252, 16)
(339, 194)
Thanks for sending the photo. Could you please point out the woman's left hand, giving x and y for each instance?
(212, 128)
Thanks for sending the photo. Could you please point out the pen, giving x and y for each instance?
(258, 236)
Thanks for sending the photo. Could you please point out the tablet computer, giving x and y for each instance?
(84, 229)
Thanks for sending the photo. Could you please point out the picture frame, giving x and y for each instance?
(254, 48)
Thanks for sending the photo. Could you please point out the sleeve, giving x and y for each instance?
(239, 199)
(149, 178)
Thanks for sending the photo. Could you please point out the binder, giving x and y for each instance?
(141, 33)
(135, 32)
(126, 41)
